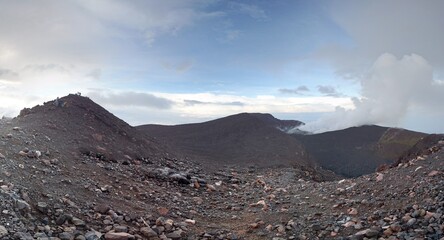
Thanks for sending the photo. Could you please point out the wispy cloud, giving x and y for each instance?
(232, 34)
(250, 9)
(196, 102)
(329, 91)
(179, 67)
(8, 74)
(95, 74)
(298, 91)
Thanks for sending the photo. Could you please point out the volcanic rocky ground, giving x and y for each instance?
(75, 171)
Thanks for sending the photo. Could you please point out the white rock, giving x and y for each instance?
(379, 177)
(190, 221)
(3, 231)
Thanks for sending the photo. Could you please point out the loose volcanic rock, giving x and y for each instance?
(148, 232)
(3, 231)
(118, 236)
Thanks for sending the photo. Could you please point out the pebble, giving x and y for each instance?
(66, 236)
(190, 221)
(433, 173)
(379, 177)
(352, 211)
(148, 232)
(102, 208)
(93, 235)
(411, 222)
(77, 222)
(63, 218)
(3, 231)
(121, 228)
(175, 235)
(23, 236)
(23, 206)
(42, 207)
(118, 236)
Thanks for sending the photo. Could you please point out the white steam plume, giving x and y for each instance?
(389, 90)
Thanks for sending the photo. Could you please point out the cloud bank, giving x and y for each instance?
(135, 99)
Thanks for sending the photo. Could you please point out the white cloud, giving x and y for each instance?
(394, 91)
(399, 27)
(52, 48)
(392, 88)
(88, 33)
(151, 18)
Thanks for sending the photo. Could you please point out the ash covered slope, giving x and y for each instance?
(79, 125)
(243, 139)
(359, 150)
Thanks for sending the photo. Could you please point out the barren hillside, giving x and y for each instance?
(243, 139)
(361, 150)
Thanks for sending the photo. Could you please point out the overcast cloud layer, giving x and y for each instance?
(178, 61)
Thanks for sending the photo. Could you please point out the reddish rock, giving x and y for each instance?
(118, 236)
(433, 173)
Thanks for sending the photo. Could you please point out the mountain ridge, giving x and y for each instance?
(356, 151)
(242, 139)
(348, 152)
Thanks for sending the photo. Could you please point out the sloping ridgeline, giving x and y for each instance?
(241, 140)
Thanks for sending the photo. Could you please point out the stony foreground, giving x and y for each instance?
(50, 194)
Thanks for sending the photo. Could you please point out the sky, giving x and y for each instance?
(331, 64)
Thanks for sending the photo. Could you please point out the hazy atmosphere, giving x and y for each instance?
(331, 64)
